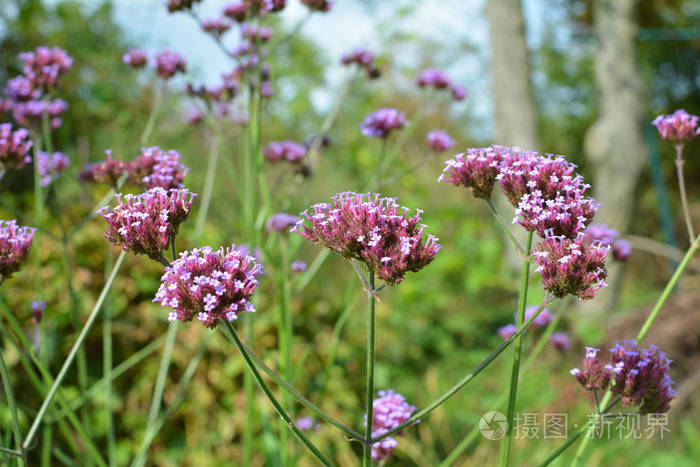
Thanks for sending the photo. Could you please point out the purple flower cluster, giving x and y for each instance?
(14, 147)
(135, 58)
(507, 331)
(604, 235)
(236, 11)
(168, 63)
(440, 140)
(364, 59)
(15, 243)
(476, 169)
(560, 341)
(318, 5)
(567, 214)
(216, 26)
(382, 122)
(209, 285)
(26, 94)
(281, 222)
(543, 319)
(298, 266)
(50, 165)
(286, 150)
(639, 376)
(389, 411)
(438, 79)
(158, 168)
(256, 34)
(38, 307)
(108, 171)
(678, 126)
(570, 267)
(371, 229)
(147, 223)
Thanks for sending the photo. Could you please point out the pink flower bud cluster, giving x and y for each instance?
(286, 150)
(476, 169)
(14, 147)
(135, 58)
(567, 214)
(440, 140)
(15, 243)
(216, 26)
(639, 376)
(168, 64)
(38, 307)
(569, 267)
(256, 34)
(318, 5)
(209, 285)
(50, 165)
(32, 112)
(108, 171)
(371, 229)
(678, 126)
(147, 223)
(382, 122)
(560, 341)
(281, 222)
(389, 411)
(543, 319)
(364, 59)
(45, 65)
(158, 168)
(438, 79)
(605, 235)
(180, 5)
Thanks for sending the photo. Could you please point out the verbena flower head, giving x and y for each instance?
(678, 126)
(389, 411)
(459, 93)
(382, 122)
(180, 5)
(599, 233)
(14, 147)
(371, 229)
(209, 285)
(298, 266)
(288, 150)
(543, 319)
(364, 59)
(622, 249)
(255, 33)
(281, 222)
(45, 65)
(440, 140)
(640, 377)
(22, 89)
(318, 5)
(15, 243)
(169, 63)
(194, 116)
(594, 375)
(305, 423)
(560, 341)
(108, 171)
(569, 267)
(507, 331)
(147, 223)
(566, 214)
(135, 58)
(433, 77)
(158, 168)
(33, 112)
(236, 11)
(216, 26)
(38, 307)
(476, 169)
(50, 165)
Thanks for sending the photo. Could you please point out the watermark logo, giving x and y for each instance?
(493, 425)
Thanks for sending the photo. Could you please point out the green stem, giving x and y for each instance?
(512, 398)
(684, 196)
(107, 363)
(150, 123)
(159, 386)
(369, 395)
(38, 221)
(467, 379)
(280, 411)
(10, 452)
(285, 343)
(209, 181)
(11, 402)
(71, 356)
(46, 445)
(474, 433)
(505, 228)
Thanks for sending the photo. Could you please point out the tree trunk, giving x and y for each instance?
(615, 143)
(514, 104)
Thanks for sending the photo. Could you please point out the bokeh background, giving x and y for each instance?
(540, 75)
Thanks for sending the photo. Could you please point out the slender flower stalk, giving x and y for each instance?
(684, 195)
(466, 379)
(512, 398)
(265, 388)
(11, 403)
(71, 355)
(367, 451)
(153, 116)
